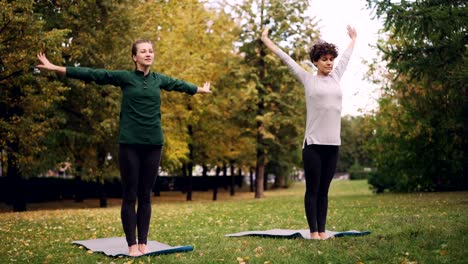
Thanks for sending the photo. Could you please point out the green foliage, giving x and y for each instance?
(358, 172)
(256, 104)
(276, 106)
(27, 101)
(89, 128)
(418, 130)
(353, 150)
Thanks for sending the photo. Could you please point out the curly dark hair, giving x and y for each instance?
(322, 48)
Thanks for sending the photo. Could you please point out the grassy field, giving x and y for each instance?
(406, 228)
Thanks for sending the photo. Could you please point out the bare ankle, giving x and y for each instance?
(323, 235)
(133, 251)
(143, 248)
(314, 235)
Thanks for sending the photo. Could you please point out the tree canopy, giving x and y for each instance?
(420, 135)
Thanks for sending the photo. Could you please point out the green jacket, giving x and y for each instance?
(140, 114)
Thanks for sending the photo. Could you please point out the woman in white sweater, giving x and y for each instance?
(322, 133)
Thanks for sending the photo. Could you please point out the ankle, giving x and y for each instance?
(322, 235)
(314, 235)
(133, 251)
(143, 248)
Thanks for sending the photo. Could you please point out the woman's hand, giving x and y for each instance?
(46, 65)
(351, 32)
(44, 62)
(205, 88)
(265, 34)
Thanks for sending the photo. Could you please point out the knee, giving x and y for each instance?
(311, 194)
(144, 198)
(129, 197)
(322, 196)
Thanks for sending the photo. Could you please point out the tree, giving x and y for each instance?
(192, 42)
(354, 136)
(27, 102)
(88, 129)
(419, 138)
(277, 104)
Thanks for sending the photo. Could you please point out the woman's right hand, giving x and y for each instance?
(47, 65)
(44, 62)
(265, 33)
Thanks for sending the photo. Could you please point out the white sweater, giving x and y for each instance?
(323, 100)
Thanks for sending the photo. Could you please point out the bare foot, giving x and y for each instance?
(323, 235)
(314, 235)
(143, 248)
(133, 251)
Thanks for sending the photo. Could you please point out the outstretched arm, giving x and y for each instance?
(297, 70)
(204, 89)
(47, 65)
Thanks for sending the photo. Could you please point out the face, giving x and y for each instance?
(144, 56)
(324, 64)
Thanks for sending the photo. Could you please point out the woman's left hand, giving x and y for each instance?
(205, 88)
(351, 32)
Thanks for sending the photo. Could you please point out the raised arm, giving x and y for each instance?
(343, 63)
(295, 68)
(47, 65)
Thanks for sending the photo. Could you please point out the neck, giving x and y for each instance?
(144, 69)
(321, 74)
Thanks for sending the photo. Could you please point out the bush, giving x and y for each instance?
(358, 172)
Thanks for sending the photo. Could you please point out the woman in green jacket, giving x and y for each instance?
(140, 133)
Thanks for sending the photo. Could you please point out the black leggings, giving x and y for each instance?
(319, 168)
(138, 168)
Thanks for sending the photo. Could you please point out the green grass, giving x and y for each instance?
(406, 228)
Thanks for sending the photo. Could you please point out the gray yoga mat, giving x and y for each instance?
(117, 246)
(290, 233)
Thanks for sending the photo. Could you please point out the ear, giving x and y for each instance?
(134, 58)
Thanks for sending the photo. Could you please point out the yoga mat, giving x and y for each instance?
(304, 233)
(117, 246)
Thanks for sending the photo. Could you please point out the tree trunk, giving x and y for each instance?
(205, 186)
(190, 163)
(233, 181)
(102, 163)
(187, 172)
(77, 186)
(157, 186)
(18, 199)
(260, 171)
(252, 183)
(280, 181)
(102, 195)
(240, 179)
(215, 187)
(224, 182)
(261, 158)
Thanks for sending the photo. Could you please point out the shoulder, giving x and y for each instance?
(155, 74)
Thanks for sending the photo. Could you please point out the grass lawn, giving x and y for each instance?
(406, 228)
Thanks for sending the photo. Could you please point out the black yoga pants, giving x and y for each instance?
(319, 168)
(138, 169)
